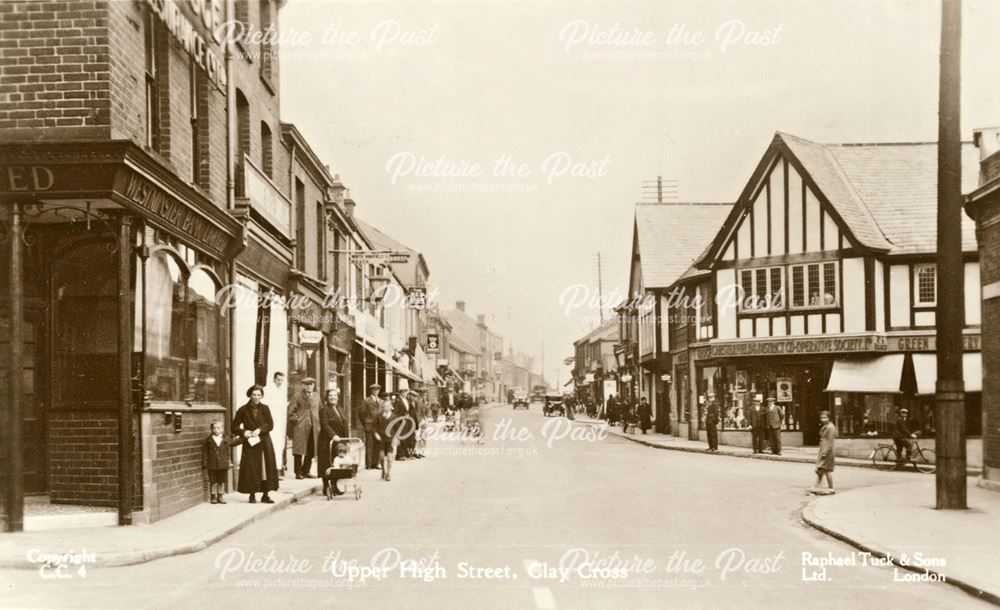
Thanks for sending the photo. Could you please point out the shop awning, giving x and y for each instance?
(925, 370)
(879, 375)
(374, 351)
(405, 372)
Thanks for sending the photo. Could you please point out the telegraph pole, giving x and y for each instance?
(949, 408)
(600, 287)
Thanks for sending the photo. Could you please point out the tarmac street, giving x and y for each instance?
(543, 513)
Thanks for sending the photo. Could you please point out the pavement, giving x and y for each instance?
(540, 514)
(900, 522)
(803, 455)
(189, 531)
(895, 521)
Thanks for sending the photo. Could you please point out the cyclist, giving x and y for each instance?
(902, 435)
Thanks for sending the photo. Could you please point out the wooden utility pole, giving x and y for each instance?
(600, 287)
(949, 408)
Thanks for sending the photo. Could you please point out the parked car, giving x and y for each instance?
(520, 399)
(553, 405)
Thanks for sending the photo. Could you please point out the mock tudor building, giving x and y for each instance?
(823, 289)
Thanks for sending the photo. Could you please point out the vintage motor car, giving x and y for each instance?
(553, 405)
(520, 399)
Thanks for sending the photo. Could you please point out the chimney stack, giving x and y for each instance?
(460, 305)
(482, 319)
(348, 204)
(987, 140)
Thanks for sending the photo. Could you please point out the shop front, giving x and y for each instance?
(862, 380)
(113, 333)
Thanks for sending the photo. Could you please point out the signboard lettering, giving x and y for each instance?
(171, 211)
(26, 178)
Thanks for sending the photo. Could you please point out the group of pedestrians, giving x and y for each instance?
(392, 425)
(765, 424)
(627, 412)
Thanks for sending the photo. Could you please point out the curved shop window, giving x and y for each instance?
(85, 314)
(183, 326)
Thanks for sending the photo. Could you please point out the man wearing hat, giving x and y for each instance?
(303, 417)
(711, 421)
(901, 435)
(368, 422)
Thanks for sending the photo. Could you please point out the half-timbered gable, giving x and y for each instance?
(820, 226)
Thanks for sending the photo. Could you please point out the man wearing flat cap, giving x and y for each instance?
(902, 436)
(304, 421)
(368, 422)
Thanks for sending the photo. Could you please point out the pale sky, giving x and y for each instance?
(471, 82)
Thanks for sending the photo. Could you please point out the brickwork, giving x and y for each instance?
(990, 270)
(83, 457)
(54, 66)
(178, 478)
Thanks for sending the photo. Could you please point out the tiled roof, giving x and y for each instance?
(406, 272)
(605, 332)
(672, 235)
(466, 328)
(886, 193)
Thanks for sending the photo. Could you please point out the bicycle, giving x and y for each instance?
(884, 457)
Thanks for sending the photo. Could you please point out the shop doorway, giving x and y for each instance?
(811, 401)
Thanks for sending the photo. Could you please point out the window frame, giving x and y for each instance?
(768, 276)
(917, 270)
(821, 274)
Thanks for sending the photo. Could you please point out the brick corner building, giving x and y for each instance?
(983, 205)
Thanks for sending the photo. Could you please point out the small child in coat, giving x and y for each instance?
(216, 461)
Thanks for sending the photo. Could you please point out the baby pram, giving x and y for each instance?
(349, 476)
(449, 420)
(473, 427)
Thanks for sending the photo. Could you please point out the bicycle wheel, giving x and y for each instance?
(925, 460)
(884, 458)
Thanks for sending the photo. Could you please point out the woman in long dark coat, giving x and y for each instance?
(258, 468)
(333, 426)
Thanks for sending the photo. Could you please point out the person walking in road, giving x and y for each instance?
(367, 416)
(386, 429)
(758, 426)
(645, 415)
(712, 421)
(775, 419)
(304, 419)
(826, 456)
(258, 469)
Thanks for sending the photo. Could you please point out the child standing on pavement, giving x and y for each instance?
(216, 462)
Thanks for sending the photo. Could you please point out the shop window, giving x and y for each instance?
(183, 327)
(203, 338)
(762, 289)
(925, 285)
(815, 285)
(85, 303)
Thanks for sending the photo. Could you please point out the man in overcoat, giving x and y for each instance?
(775, 419)
(367, 422)
(303, 418)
